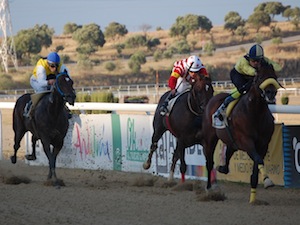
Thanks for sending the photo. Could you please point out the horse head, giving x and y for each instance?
(64, 86)
(202, 90)
(266, 83)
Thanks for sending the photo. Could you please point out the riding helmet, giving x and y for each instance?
(194, 63)
(256, 52)
(53, 57)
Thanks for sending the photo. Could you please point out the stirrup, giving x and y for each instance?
(218, 119)
(217, 123)
(163, 110)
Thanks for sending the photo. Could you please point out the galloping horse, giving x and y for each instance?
(183, 121)
(250, 127)
(49, 121)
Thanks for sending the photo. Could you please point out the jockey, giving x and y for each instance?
(45, 71)
(241, 76)
(183, 70)
(44, 75)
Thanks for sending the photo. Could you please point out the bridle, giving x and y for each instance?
(201, 106)
(57, 85)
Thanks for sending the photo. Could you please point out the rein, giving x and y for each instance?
(57, 86)
(189, 100)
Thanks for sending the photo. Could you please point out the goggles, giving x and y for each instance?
(53, 65)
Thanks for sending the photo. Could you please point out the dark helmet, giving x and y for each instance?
(53, 57)
(256, 52)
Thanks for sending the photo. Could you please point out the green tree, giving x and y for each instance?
(89, 38)
(270, 8)
(190, 24)
(136, 41)
(179, 28)
(44, 34)
(241, 31)
(287, 13)
(296, 17)
(259, 19)
(205, 24)
(152, 43)
(233, 20)
(31, 41)
(119, 48)
(115, 30)
(274, 8)
(136, 60)
(70, 28)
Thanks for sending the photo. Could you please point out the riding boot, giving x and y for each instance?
(223, 106)
(164, 107)
(28, 109)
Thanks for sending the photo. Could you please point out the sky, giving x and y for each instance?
(133, 14)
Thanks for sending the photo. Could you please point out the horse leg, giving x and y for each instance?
(181, 152)
(158, 132)
(153, 148)
(257, 167)
(225, 168)
(50, 156)
(174, 161)
(267, 181)
(209, 149)
(32, 156)
(17, 139)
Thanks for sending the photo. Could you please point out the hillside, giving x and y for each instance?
(219, 63)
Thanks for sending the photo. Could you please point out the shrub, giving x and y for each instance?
(96, 97)
(285, 99)
(110, 66)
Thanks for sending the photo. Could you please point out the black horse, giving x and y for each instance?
(250, 127)
(49, 121)
(183, 121)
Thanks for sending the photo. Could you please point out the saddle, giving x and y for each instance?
(225, 114)
(34, 99)
(173, 100)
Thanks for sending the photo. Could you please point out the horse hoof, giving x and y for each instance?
(223, 169)
(30, 157)
(146, 166)
(268, 183)
(13, 159)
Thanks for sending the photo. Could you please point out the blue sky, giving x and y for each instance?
(131, 13)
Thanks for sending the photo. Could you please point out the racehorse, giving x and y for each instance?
(49, 121)
(183, 121)
(249, 128)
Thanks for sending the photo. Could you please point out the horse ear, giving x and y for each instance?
(66, 72)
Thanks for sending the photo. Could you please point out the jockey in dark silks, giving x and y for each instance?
(242, 75)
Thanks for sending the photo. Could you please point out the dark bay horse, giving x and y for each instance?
(250, 127)
(183, 121)
(49, 121)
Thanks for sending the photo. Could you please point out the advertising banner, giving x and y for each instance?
(291, 151)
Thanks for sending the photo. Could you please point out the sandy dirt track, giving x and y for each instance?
(110, 197)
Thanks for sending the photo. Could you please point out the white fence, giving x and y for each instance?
(147, 108)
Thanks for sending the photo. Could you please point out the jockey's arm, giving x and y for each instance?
(173, 80)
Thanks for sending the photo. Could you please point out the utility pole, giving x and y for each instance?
(7, 47)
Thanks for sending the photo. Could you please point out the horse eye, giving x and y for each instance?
(206, 87)
(67, 79)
